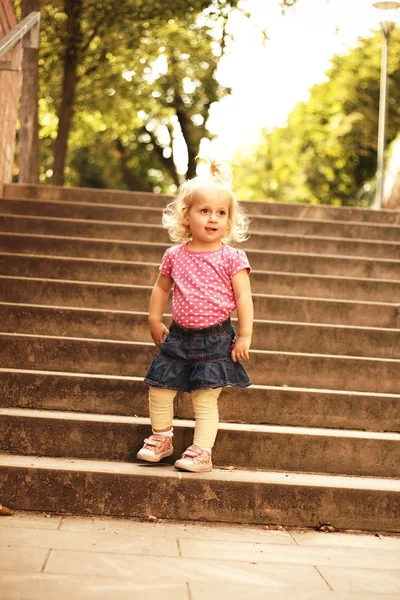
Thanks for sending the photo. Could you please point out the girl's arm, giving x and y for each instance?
(245, 313)
(158, 301)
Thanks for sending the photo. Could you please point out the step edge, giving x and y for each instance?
(157, 264)
(166, 245)
(151, 344)
(311, 480)
(272, 322)
(81, 282)
(243, 203)
(279, 235)
(260, 387)
(316, 432)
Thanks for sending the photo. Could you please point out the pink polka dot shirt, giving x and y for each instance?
(203, 293)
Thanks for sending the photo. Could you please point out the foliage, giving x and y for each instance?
(122, 81)
(145, 75)
(327, 151)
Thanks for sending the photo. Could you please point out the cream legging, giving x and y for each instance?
(205, 407)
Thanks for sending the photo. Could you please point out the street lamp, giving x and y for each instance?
(388, 14)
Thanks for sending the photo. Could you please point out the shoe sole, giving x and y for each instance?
(194, 468)
(156, 457)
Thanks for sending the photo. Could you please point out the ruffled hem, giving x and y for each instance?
(190, 377)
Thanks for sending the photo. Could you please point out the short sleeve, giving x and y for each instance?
(166, 263)
(237, 261)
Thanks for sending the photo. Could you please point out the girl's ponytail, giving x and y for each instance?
(216, 170)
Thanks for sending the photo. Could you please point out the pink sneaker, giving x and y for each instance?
(155, 448)
(194, 459)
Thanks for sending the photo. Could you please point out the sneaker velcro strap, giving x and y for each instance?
(192, 452)
(151, 442)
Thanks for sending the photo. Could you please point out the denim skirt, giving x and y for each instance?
(197, 359)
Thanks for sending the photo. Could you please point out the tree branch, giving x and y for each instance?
(96, 65)
(168, 163)
(130, 178)
(91, 37)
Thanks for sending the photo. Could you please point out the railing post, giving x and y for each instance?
(29, 157)
(9, 96)
(12, 37)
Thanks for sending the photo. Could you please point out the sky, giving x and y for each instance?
(267, 81)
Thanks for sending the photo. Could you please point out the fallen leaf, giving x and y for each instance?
(5, 512)
(327, 527)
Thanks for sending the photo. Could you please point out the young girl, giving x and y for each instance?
(199, 353)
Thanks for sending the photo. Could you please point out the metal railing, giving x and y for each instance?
(26, 31)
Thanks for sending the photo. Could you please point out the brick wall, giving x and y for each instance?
(10, 82)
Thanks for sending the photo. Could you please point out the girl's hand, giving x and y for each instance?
(240, 350)
(158, 332)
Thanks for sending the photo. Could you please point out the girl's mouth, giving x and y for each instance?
(211, 229)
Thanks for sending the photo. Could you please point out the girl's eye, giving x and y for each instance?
(222, 213)
(204, 211)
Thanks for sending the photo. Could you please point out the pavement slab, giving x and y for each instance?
(293, 555)
(46, 587)
(362, 580)
(21, 559)
(345, 540)
(202, 531)
(242, 592)
(117, 541)
(95, 558)
(31, 520)
(161, 569)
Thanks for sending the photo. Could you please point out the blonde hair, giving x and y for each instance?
(217, 179)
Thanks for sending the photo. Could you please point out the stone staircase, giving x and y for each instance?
(315, 440)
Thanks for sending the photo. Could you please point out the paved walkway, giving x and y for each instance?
(84, 558)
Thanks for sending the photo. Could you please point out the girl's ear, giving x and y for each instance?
(186, 216)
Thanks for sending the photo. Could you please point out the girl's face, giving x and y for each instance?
(208, 219)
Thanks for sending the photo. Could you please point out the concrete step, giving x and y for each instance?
(289, 262)
(145, 232)
(128, 215)
(131, 273)
(266, 306)
(131, 490)
(258, 404)
(123, 214)
(110, 437)
(81, 269)
(82, 210)
(78, 194)
(75, 357)
(339, 312)
(323, 213)
(295, 210)
(109, 357)
(83, 228)
(133, 326)
(335, 229)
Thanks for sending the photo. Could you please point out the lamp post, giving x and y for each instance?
(388, 13)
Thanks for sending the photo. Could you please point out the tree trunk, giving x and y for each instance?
(73, 10)
(167, 163)
(186, 126)
(29, 160)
